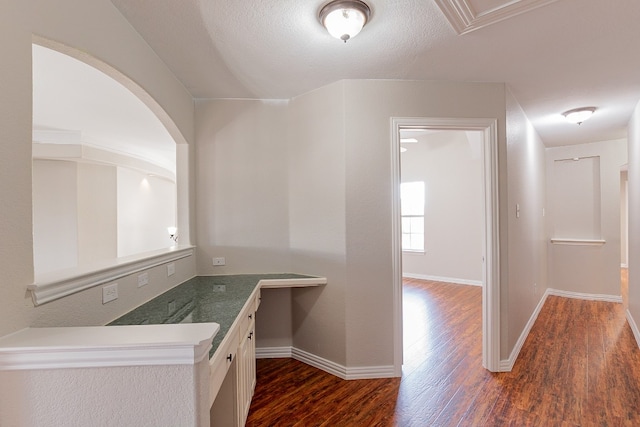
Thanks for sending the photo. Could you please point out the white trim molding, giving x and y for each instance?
(634, 327)
(507, 365)
(585, 296)
(274, 352)
(464, 17)
(340, 371)
(319, 362)
(452, 280)
(57, 285)
(97, 346)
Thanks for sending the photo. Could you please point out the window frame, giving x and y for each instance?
(410, 216)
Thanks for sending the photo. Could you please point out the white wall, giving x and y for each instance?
(97, 216)
(369, 107)
(242, 179)
(634, 221)
(146, 206)
(113, 396)
(586, 269)
(55, 215)
(526, 257)
(317, 220)
(241, 182)
(86, 213)
(454, 212)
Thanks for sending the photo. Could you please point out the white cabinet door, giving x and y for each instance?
(246, 365)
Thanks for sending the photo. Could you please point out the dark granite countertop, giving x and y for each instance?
(202, 299)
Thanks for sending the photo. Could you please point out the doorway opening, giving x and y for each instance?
(487, 134)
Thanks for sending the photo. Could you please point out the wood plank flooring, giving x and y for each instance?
(580, 366)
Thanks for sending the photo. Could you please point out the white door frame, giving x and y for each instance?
(491, 247)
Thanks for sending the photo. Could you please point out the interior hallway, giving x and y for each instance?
(580, 366)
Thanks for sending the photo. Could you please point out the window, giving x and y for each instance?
(412, 212)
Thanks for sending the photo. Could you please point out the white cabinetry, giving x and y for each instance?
(232, 377)
(246, 369)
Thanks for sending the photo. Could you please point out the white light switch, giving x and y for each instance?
(171, 269)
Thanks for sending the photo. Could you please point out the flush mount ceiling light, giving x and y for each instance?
(579, 115)
(344, 19)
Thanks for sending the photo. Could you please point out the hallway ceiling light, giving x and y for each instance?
(344, 19)
(579, 115)
(408, 140)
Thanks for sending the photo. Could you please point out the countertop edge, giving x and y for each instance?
(292, 283)
(99, 346)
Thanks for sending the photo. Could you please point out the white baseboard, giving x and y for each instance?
(634, 327)
(368, 372)
(443, 279)
(585, 296)
(273, 352)
(507, 365)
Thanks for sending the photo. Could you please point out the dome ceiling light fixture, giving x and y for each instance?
(579, 115)
(344, 19)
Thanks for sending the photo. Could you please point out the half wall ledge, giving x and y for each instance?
(577, 242)
(56, 285)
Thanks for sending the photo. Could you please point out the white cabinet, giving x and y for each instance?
(232, 378)
(246, 370)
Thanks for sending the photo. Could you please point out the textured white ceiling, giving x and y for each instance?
(558, 56)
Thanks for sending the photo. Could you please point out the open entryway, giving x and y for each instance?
(412, 236)
(442, 218)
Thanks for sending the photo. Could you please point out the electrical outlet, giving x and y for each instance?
(219, 288)
(143, 279)
(109, 293)
(219, 261)
(171, 269)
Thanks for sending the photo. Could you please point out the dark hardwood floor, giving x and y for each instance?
(580, 366)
